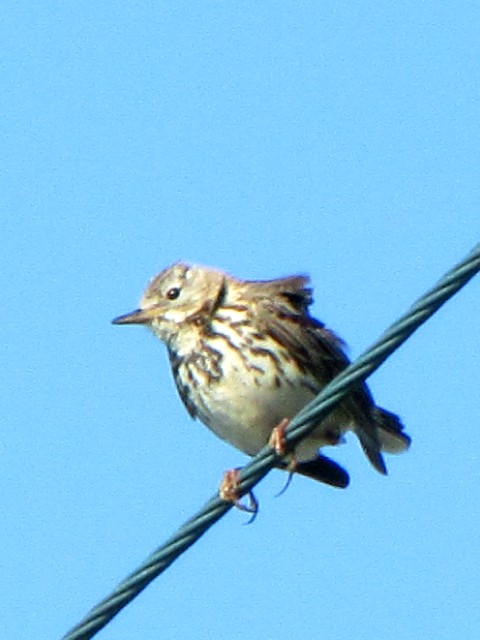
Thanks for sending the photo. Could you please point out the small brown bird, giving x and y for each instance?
(247, 355)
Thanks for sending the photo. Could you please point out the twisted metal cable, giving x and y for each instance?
(301, 425)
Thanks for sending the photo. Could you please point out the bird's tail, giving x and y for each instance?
(382, 433)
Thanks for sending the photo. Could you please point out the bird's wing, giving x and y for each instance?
(319, 354)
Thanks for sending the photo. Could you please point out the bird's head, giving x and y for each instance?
(178, 296)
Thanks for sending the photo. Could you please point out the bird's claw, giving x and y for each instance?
(278, 442)
(229, 491)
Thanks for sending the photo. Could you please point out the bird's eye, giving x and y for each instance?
(173, 293)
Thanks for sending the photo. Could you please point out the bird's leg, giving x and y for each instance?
(277, 438)
(278, 442)
(229, 491)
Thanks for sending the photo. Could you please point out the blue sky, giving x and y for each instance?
(265, 138)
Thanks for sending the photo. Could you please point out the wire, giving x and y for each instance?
(302, 424)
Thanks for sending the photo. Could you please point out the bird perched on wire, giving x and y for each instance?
(247, 355)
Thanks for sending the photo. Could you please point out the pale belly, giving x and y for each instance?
(242, 399)
(244, 414)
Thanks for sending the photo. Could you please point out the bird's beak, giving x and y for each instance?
(139, 316)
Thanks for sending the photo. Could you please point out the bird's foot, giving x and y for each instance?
(277, 438)
(278, 442)
(229, 491)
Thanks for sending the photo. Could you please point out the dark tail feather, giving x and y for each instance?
(371, 446)
(324, 470)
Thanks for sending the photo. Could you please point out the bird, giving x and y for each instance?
(247, 355)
